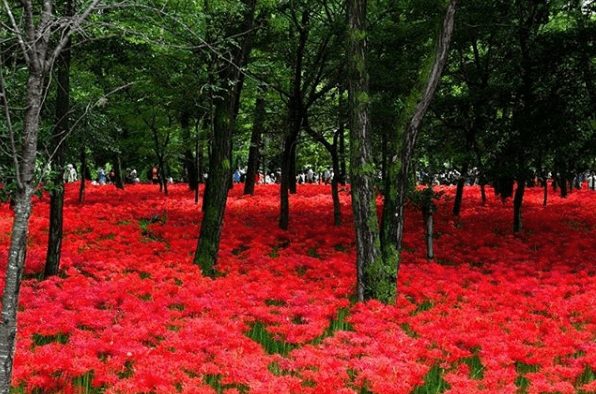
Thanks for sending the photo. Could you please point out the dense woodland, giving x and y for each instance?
(383, 95)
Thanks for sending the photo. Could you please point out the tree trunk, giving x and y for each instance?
(459, 194)
(517, 204)
(483, 193)
(284, 214)
(375, 279)
(83, 175)
(342, 154)
(220, 172)
(545, 187)
(18, 242)
(61, 130)
(335, 187)
(163, 182)
(189, 160)
(118, 172)
(399, 165)
(428, 230)
(197, 163)
(255, 145)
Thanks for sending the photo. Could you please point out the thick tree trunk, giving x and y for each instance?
(255, 146)
(220, 171)
(18, 243)
(459, 193)
(517, 204)
(61, 130)
(375, 279)
(83, 175)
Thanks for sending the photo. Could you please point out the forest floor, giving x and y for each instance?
(495, 312)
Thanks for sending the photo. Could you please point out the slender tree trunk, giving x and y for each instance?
(255, 145)
(284, 215)
(517, 204)
(545, 188)
(118, 171)
(427, 213)
(483, 193)
(61, 130)
(18, 242)
(342, 154)
(335, 187)
(220, 172)
(189, 160)
(459, 194)
(197, 163)
(375, 279)
(399, 165)
(163, 181)
(83, 175)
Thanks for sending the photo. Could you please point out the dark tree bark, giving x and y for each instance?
(332, 148)
(295, 116)
(119, 181)
(517, 204)
(459, 193)
(220, 173)
(61, 131)
(83, 175)
(255, 146)
(375, 278)
(335, 187)
(399, 165)
(189, 160)
(545, 188)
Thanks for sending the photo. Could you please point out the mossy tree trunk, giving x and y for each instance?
(375, 278)
(220, 168)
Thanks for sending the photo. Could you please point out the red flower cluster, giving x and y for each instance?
(493, 313)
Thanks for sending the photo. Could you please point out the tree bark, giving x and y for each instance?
(295, 116)
(335, 186)
(399, 165)
(189, 160)
(220, 172)
(427, 213)
(118, 171)
(83, 175)
(61, 130)
(18, 243)
(375, 279)
(517, 204)
(255, 146)
(459, 193)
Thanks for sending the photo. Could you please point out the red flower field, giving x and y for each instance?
(494, 313)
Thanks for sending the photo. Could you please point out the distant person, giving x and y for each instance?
(236, 176)
(155, 174)
(71, 174)
(101, 176)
